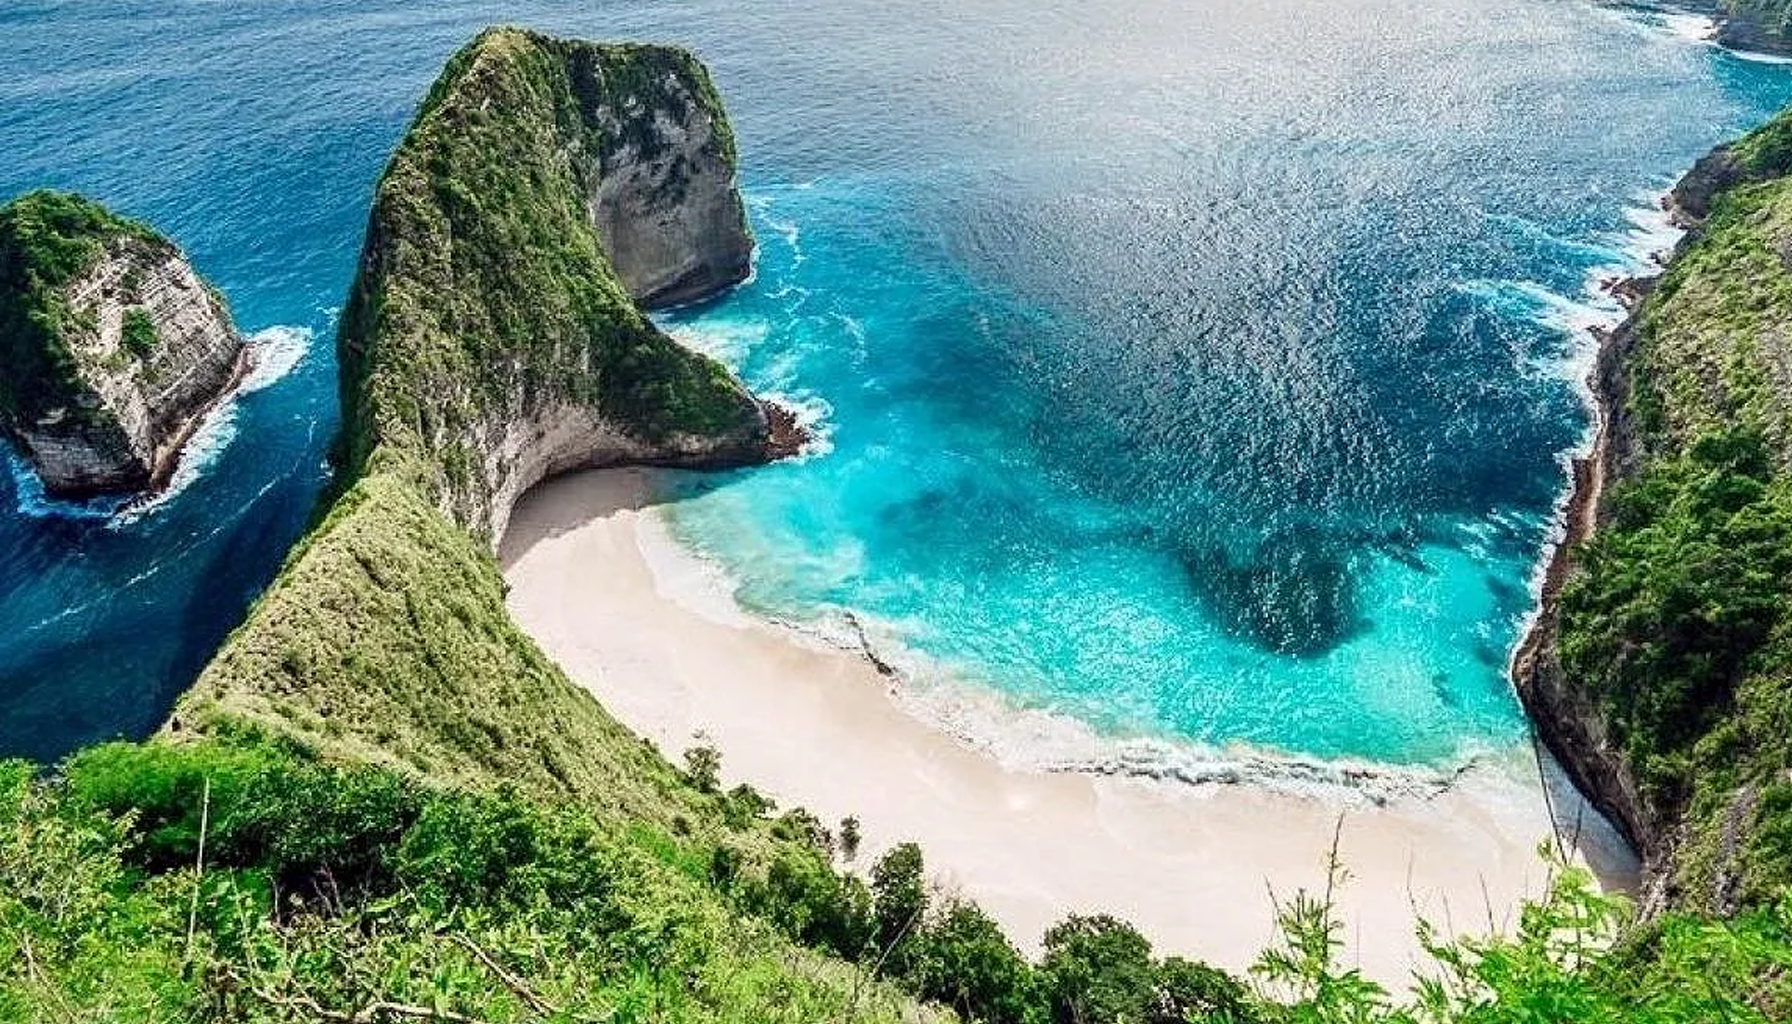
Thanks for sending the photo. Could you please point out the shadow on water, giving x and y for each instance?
(1295, 594)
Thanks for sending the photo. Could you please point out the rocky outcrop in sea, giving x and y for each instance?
(116, 348)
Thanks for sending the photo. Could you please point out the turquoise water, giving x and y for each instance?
(1196, 370)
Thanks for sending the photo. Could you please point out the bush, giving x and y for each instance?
(1098, 969)
(139, 333)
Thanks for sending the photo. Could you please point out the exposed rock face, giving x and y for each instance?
(1758, 25)
(547, 192)
(666, 206)
(131, 348)
(1689, 202)
(1567, 720)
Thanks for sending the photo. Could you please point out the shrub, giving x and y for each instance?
(139, 333)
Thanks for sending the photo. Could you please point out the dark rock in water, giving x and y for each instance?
(113, 347)
(1295, 595)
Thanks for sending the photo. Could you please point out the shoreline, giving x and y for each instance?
(173, 451)
(604, 590)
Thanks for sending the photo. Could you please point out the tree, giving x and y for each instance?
(963, 960)
(1098, 970)
(898, 899)
(703, 768)
(850, 837)
(1188, 990)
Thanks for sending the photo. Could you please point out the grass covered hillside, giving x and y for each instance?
(1676, 621)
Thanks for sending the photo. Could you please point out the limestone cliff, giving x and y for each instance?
(1660, 670)
(113, 346)
(494, 335)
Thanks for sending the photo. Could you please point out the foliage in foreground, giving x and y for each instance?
(213, 882)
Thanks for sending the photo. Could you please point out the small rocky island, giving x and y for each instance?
(113, 347)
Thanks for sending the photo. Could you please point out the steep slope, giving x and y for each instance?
(489, 341)
(1764, 25)
(1662, 675)
(112, 346)
(493, 334)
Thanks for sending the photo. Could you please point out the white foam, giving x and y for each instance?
(1694, 28)
(729, 341)
(1643, 249)
(1037, 739)
(33, 503)
(815, 415)
(273, 353)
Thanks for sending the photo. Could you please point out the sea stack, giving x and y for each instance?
(548, 192)
(113, 347)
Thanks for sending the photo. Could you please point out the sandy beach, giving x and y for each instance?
(599, 584)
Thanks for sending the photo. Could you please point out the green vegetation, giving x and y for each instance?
(246, 881)
(484, 292)
(1770, 20)
(139, 333)
(240, 882)
(1675, 619)
(47, 240)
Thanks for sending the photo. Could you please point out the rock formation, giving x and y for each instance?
(1657, 669)
(114, 348)
(1764, 26)
(490, 339)
(547, 191)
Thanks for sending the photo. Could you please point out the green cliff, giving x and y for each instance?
(492, 335)
(381, 803)
(488, 340)
(110, 346)
(1666, 677)
(1764, 25)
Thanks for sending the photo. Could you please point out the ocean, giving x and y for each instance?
(1197, 372)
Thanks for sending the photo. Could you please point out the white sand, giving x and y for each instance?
(599, 585)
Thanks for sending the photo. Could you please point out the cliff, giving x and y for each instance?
(494, 335)
(1760, 25)
(113, 346)
(1660, 671)
(489, 340)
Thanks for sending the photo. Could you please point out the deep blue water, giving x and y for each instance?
(1196, 369)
